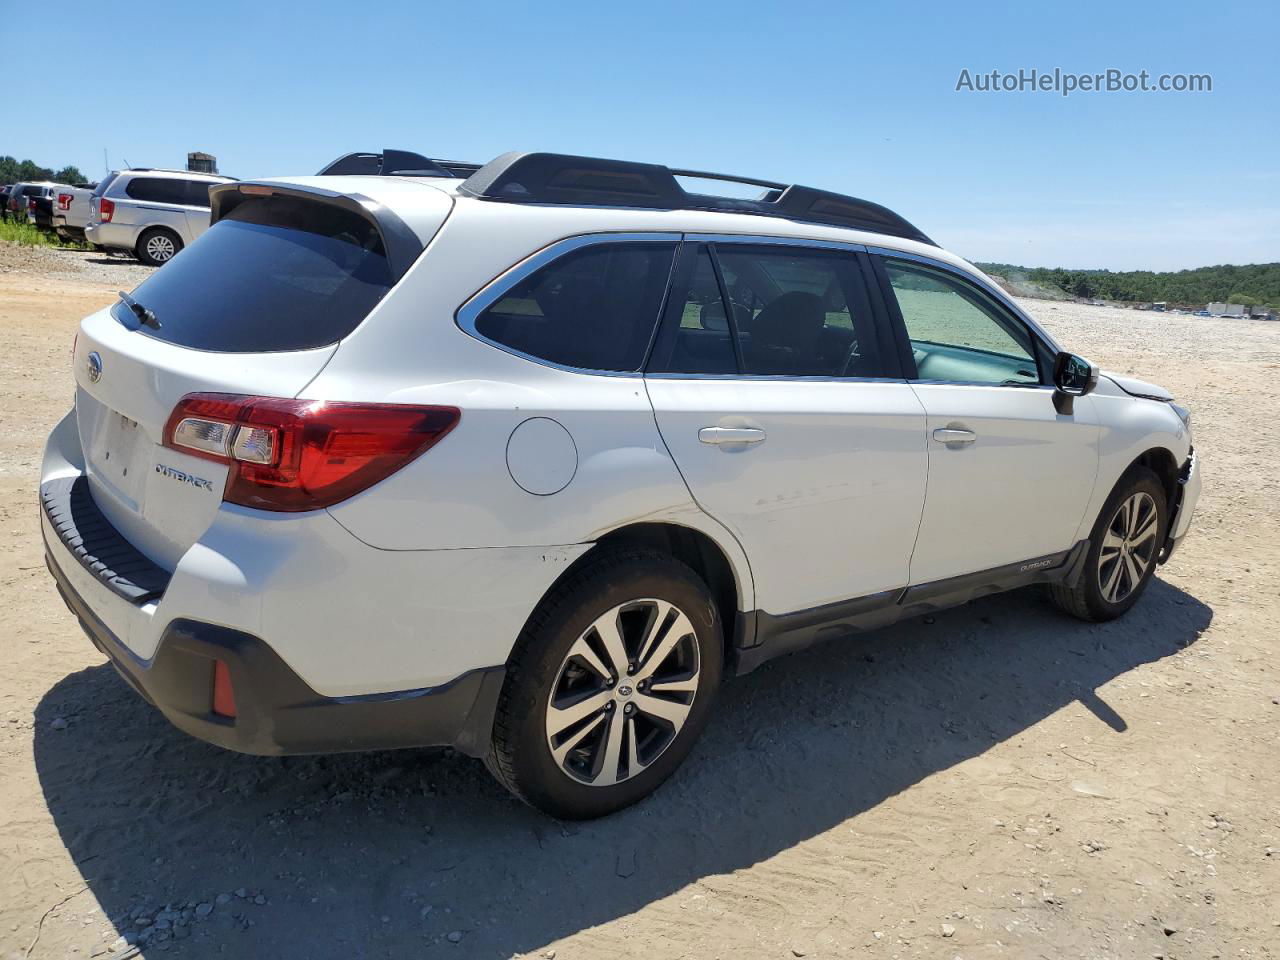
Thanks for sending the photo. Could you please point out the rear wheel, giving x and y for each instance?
(1122, 550)
(158, 246)
(609, 686)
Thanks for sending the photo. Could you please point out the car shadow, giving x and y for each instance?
(114, 261)
(388, 852)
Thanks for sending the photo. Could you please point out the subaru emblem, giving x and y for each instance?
(95, 367)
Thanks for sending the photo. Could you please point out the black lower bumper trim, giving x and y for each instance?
(100, 547)
(276, 711)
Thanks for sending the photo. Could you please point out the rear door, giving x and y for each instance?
(1009, 477)
(256, 309)
(789, 420)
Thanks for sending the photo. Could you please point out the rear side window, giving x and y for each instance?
(154, 190)
(594, 308)
(276, 274)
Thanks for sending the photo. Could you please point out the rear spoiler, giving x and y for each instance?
(400, 243)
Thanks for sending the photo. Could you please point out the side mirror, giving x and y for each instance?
(1073, 377)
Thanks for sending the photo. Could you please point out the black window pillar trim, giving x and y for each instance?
(731, 320)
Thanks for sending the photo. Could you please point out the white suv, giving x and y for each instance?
(151, 214)
(524, 459)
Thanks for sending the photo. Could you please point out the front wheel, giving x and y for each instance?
(158, 246)
(609, 685)
(1122, 550)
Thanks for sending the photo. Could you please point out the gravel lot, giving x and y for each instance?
(88, 267)
(995, 781)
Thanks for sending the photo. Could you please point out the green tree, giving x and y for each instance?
(69, 174)
(30, 170)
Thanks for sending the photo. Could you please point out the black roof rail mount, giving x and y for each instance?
(396, 163)
(556, 178)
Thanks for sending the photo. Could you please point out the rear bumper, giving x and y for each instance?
(276, 711)
(120, 236)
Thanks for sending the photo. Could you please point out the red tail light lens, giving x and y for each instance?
(106, 210)
(293, 455)
(224, 696)
(64, 201)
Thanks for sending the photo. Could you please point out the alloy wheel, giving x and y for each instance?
(623, 692)
(1128, 547)
(160, 248)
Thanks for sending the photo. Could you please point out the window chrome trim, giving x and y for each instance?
(781, 377)
(762, 240)
(466, 315)
(980, 282)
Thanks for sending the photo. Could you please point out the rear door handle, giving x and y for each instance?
(731, 435)
(950, 435)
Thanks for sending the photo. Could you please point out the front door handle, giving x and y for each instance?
(731, 435)
(951, 435)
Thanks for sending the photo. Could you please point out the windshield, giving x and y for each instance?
(277, 273)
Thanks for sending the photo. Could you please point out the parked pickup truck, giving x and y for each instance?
(71, 210)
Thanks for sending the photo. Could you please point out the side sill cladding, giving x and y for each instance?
(777, 635)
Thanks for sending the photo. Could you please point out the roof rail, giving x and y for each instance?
(555, 178)
(396, 163)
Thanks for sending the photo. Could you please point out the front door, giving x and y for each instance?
(1009, 476)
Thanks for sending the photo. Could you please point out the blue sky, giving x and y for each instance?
(858, 98)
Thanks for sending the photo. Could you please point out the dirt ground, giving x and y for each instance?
(996, 781)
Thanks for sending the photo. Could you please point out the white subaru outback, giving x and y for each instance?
(525, 458)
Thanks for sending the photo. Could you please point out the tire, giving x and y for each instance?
(1122, 542)
(158, 246)
(616, 741)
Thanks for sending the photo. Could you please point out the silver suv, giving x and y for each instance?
(150, 213)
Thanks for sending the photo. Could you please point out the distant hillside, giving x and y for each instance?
(1252, 284)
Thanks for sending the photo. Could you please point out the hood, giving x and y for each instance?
(1138, 388)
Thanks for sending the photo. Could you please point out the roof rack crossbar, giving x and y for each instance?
(396, 163)
(554, 178)
(750, 181)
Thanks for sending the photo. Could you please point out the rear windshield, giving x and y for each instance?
(105, 182)
(275, 274)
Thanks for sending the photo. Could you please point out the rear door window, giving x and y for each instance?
(276, 274)
(794, 312)
(594, 308)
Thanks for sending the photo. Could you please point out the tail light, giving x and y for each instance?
(224, 695)
(64, 201)
(292, 455)
(106, 210)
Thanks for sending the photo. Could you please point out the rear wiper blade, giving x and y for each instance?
(144, 315)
